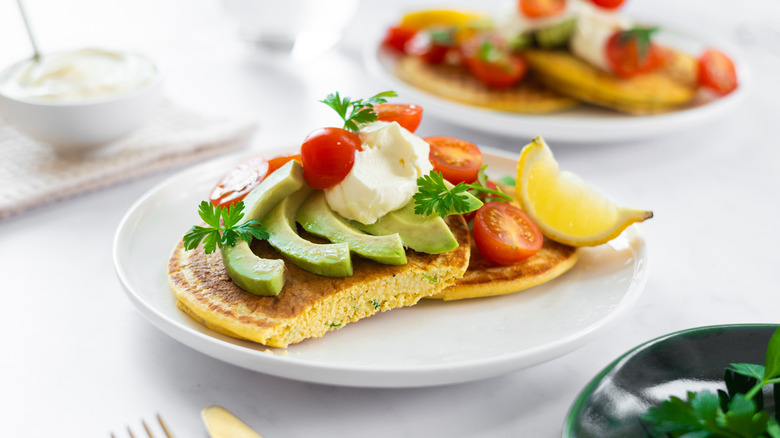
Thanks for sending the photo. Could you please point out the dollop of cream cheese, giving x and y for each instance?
(594, 28)
(79, 75)
(384, 176)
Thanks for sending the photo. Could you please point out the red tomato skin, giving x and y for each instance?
(423, 46)
(503, 73)
(457, 160)
(396, 37)
(504, 234)
(327, 155)
(277, 162)
(498, 76)
(623, 57)
(236, 184)
(717, 72)
(482, 196)
(541, 8)
(407, 115)
(608, 4)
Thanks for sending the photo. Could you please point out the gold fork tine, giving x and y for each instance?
(146, 428)
(167, 432)
(164, 427)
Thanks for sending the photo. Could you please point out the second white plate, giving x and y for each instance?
(585, 124)
(432, 343)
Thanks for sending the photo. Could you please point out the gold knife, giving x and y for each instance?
(221, 423)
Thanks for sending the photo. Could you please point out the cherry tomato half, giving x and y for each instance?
(397, 36)
(626, 59)
(234, 186)
(457, 160)
(277, 162)
(717, 72)
(608, 4)
(489, 59)
(429, 45)
(408, 116)
(482, 196)
(504, 234)
(327, 155)
(541, 8)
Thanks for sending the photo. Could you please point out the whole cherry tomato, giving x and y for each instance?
(541, 8)
(717, 72)
(408, 116)
(504, 234)
(630, 52)
(457, 160)
(327, 155)
(608, 4)
(397, 36)
(234, 186)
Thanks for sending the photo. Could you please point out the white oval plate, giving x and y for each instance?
(585, 124)
(432, 343)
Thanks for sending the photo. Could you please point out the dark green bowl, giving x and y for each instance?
(688, 360)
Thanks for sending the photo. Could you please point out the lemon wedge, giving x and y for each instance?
(439, 17)
(564, 207)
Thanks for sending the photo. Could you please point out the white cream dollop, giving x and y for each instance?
(79, 75)
(593, 30)
(510, 21)
(384, 176)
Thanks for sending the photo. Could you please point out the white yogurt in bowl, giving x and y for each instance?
(80, 100)
(79, 75)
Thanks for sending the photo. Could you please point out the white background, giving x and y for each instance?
(79, 360)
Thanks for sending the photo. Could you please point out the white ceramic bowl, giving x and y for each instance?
(77, 127)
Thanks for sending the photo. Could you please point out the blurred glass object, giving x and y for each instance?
(300, 28)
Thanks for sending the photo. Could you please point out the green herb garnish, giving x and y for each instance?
(228, 234)
(641, 35)
(356, 112)
(492, 54)
(434, 197)
(444, 36)
(732, 414)
(431, 279)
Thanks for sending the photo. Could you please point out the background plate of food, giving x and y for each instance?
(559, 92)
(435, 342)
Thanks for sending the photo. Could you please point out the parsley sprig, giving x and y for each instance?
(434, 196)
(226, 233)
(729, 414)
(356, 112)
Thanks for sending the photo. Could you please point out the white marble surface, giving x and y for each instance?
(79, 360)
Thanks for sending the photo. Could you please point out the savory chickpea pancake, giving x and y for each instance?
(658, 91)
(455, 83)
(484, 278)
(309, 305)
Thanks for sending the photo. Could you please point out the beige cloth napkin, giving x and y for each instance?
(31, 173)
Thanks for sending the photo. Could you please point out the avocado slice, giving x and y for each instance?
(316, 217)
(555, 36)
(331, 259)
(428, 234)
(250, 272)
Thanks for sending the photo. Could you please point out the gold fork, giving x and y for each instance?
(164, 427)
